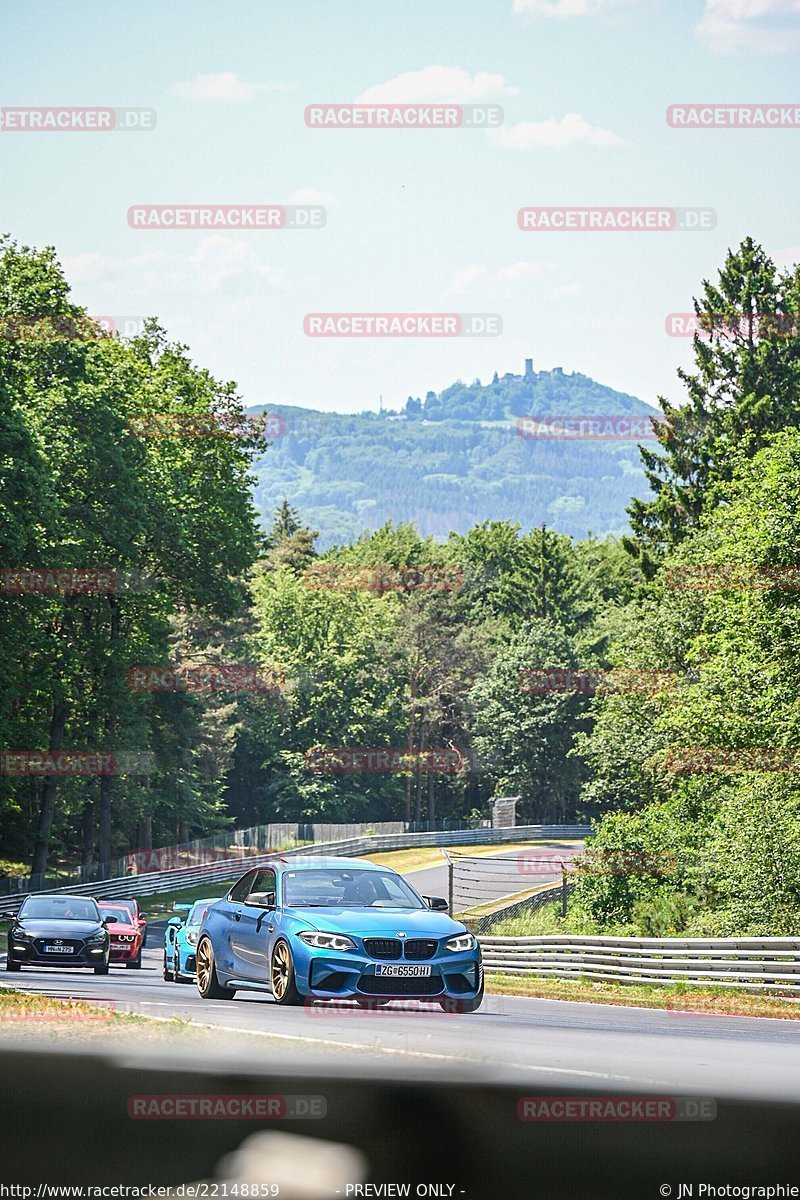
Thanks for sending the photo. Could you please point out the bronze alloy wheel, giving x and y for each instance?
(281, 976)
(208, 984)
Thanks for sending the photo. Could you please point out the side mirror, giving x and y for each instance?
(110, 920)
(176, 922)
(437, 903)
(142, 918)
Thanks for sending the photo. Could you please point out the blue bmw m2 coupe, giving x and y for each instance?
(326, 929)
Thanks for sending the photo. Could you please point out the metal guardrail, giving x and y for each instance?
(757, 964)
(158, 882)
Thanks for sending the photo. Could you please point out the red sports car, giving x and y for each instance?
(137, 916)
(127, 937)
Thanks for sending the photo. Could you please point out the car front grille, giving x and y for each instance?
(419, 948)
(383, 947)
(415, 949)
(391, 985)
(40, 943)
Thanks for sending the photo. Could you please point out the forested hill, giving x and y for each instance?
(453, 459)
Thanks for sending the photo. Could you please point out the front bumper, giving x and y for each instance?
(185, 960)
(350, 973)
(33, 954)
(124, 951)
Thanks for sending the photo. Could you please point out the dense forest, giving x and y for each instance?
(454, 460)
(648, 683)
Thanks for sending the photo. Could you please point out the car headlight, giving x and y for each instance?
(462, 941)
(191, 937)
(96, 938)
(19, 935)
(326, 941)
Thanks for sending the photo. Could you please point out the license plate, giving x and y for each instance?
(58, 949)
(405, 972)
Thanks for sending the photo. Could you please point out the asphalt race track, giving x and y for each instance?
(494, 876)
(513, 1038)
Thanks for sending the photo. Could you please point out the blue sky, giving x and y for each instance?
(418, 221)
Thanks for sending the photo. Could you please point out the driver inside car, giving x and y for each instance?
(361, 892)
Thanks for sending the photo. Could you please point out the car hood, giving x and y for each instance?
(120, 927)
(60, 929)
(384, 922)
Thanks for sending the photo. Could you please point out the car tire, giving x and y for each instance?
(102, 969)
(168, 975)
(12, 966)
(281, 976)
(208, 984)
(135, 963)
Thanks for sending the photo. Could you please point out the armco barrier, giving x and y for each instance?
(158, 882)
(757, 964)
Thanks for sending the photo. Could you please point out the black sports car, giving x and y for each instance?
(65, 930)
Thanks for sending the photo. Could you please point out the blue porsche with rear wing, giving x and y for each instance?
(330, 929)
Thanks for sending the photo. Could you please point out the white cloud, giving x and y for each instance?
(468, 279)
(788, 257)
(567, 290)
(224, 262)
(769, 26)
(226, 88)
(571, 130)
(463, 281)
(568, 8)
(310, 195)
(438, 83)
(218, 263)
(522, 271)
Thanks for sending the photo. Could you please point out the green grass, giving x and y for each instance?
(160, 905)
(677, 997)
(28, 1015)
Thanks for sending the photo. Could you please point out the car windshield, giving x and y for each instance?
(333, 887)
(129, 906)
(122, 915)
(49, 908)
(199, 910)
